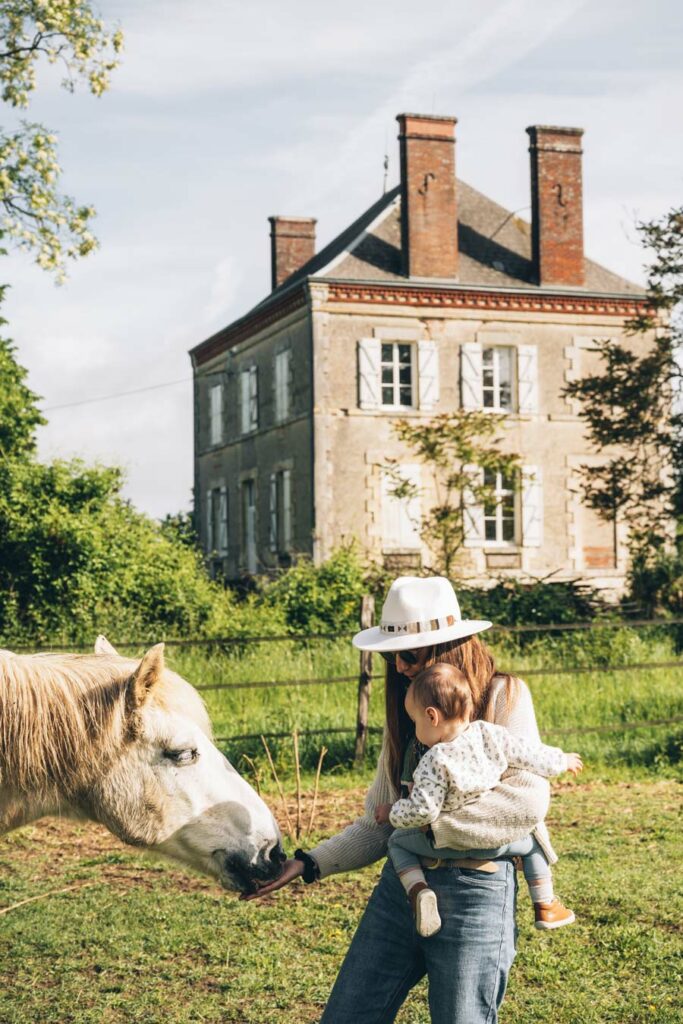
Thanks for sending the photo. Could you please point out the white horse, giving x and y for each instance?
(128, 744)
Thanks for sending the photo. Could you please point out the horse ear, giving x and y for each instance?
(102, 646)
(148, 672)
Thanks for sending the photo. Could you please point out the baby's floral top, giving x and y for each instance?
(453, 774)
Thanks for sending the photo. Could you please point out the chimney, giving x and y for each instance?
(292, 243)
(429, 214)
(556, 205)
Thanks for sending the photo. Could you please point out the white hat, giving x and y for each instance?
(417, 613)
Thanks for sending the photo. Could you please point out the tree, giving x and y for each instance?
(632, 407)
(19, 413)
(457, 448)
(37, 216)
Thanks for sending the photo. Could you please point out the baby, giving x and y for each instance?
(465, 759)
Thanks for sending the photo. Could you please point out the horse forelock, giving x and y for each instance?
(64, 717)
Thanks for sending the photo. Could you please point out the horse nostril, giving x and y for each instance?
(278, 855)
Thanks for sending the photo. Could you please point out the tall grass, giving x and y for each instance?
(567, 705)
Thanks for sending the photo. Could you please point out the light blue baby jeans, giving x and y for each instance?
(407, 845)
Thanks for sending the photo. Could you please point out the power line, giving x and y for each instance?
(117, 394)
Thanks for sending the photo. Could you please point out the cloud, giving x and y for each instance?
(224, 113)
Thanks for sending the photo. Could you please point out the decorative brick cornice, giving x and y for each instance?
(248, 325)
(473, 298)
(419, 296)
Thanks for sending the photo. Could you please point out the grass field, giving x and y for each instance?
(143, 941)
(566, 704)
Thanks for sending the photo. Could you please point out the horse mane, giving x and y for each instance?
(63, 717)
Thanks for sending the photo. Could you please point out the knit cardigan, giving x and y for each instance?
(510, 811)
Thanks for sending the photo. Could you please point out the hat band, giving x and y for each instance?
(419, 627)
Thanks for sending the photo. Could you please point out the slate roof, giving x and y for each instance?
(494, 252)
(494, 246)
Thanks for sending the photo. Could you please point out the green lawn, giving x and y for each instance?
(568, 705)
(148, 942)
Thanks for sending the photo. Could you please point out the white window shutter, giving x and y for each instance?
(369, 353)
(209, 522)
(532, 506)
(273, 511)
(401, 517)
(253, 392)
(428, 373)
(223, 522)
(527, 378)
(286, 509)
(472, 511)
(277, 392)
(471, 375)
(244, 401)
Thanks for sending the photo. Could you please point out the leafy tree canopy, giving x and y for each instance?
(455, 447)
(632, 406)
(37, 216)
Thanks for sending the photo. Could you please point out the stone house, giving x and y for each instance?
(435, 298)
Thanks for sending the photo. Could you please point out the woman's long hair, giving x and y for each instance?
(475, 661)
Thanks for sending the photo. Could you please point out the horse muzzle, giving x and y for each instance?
(237, 871)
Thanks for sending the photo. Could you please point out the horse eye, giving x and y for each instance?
(182, 757)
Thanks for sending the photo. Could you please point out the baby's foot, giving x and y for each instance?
(423, 902)
(552, 915)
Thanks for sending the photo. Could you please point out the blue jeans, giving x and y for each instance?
(467, 963)
(407, 845)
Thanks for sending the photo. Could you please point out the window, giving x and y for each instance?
(397, 374)
(497, 378)
(281, 511)
(499, 512)
(249, 400)
(282, 385)
(501, 378)
(216, 414)
(249, 525)
(217, 521)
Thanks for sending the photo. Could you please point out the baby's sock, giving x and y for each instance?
(541, 889)
(411, 877)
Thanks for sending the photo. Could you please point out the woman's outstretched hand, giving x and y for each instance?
(292, 869)
(574, 763)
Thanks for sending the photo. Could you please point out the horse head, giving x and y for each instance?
(169, 789)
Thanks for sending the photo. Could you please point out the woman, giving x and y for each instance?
(468, 961)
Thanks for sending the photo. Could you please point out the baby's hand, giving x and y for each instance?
(382, 813)
(574, 763)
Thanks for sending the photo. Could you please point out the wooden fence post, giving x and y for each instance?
(367, 615)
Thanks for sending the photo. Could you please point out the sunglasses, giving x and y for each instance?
(410, 657)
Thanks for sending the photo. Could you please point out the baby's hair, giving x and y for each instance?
(445, 688)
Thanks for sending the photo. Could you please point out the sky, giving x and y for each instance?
(223, 113)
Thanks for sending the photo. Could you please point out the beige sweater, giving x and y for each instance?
(510, 811)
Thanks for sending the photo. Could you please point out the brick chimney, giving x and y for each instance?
(292, 243)
(429, 214)
(556, 205)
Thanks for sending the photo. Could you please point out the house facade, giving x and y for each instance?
(435, 299)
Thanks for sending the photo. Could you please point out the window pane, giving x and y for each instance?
(406, 395)
(487, 357)
(505, 396)
(404, 374)
(387, 355)
(404, 353)
(508, 529)
(387, 375)
(490, 529)
(387, 396)
(490, 477)
(488, 399)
